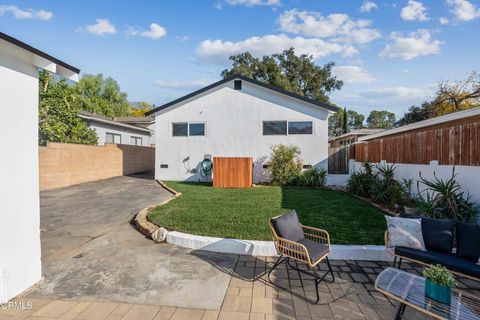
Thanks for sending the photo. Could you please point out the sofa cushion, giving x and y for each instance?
(468, 240)
(315, 249)
(287, 226)
(438, 234)
(403, 232)
(451, 262)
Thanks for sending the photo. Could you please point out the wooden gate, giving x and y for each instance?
(338, 159)
(232, 172)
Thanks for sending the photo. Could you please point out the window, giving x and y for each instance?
(274, 128)
(186, 129)
(180, 129)
(113, 138)
(135, 141)
(300, 127)
(196, 129)
(237, 85)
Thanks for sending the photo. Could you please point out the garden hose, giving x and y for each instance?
(206, 166)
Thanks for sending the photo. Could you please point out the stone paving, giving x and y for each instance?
(250, 296)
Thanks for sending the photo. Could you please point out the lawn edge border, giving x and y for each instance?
(239, 246)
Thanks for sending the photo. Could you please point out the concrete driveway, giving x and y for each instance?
(91, 252)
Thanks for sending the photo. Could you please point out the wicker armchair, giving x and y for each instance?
(298, 243)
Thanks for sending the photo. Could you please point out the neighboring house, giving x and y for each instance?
(120, 130)
(20, 253)
(351, 137)
(146, 122)
(237, 117)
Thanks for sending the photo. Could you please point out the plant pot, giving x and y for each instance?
(410, 211)
(438, 292)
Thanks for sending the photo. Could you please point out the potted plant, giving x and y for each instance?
(438, 283)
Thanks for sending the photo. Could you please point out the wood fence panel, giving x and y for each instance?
(338, 159)
(232, 172)
(455, 144)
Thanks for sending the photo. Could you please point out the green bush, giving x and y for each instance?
(361, 182)
(284, 165)
(444, 199)
(440, 275)
(313, 177)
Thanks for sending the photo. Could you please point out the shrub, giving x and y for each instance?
(440, 275)
(444, 199)
(361, 182)
(313, 177)
(284, 165)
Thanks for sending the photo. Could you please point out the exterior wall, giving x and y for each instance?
(20, 264)
(126, 133)
(62, 164)
(233, 128)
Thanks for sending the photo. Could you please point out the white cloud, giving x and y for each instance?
(101, 27)
(26, 14)
(353, 74)
(155, 32)
(184, 85)
(443, 20)
(463, 10)
(419, 43)
(218, 51)
(368, 6)
(397, 93)
(337, 26)
(414, 11)
(182, 38)
(251, 3)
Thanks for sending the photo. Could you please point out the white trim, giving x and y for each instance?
(426, 123)
(266, 248)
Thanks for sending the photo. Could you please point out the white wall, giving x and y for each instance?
(102, 128)
(467, 176)
(233, 125)
(20, 264)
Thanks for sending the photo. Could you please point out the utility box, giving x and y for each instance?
(232, 172)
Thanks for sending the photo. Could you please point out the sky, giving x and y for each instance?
(390, 54)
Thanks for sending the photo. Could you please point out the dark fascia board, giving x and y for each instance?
(37, 52)
(255, 82)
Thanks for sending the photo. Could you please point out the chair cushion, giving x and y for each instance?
(451, 262)
(403, 232)
(315, 249)
(468, 240)
(287, 226)
(438, 234)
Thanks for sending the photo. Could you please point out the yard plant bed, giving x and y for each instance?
(244, 213)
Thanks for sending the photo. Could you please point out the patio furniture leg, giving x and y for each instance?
(331, 272)
(277, 263)
(394, 261)
(399, 263)
(317, 281)
(400, 311)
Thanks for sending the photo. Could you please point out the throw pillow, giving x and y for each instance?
(403, 232)
(287, 226)
(438, 234)
(468, 239)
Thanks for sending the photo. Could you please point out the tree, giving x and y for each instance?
(345, 121)
(336, 125)
(418, 113)
(355, 120)
(58, 114)
(286, 70)
(140, 111)
(102, 96)
(461, 94)
(381, 119)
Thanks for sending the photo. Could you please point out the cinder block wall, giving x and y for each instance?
(63, 164)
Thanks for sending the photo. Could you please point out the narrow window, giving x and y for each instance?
(271, 128)
(237, 84)
(113, 138)
(300, 127)
(196, 129)
(136, 141)
(180, 129)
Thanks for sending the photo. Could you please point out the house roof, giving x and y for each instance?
(37, 52)
(143, 120)
(99, 118)
(359, 132)
(426, 123)
(243, 78)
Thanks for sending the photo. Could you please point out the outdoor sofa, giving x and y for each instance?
(439, 237)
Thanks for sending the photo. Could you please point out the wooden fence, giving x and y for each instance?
(452, 144)
(232, 172)
(338, 159)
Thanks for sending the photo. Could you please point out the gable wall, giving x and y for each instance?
(233, 122)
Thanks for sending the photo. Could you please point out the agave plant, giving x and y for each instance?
(444, 199)
(313, 177)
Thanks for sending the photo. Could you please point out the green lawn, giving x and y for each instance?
(244, 213)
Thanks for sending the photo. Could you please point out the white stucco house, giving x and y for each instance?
(20, 264)
(135, 131)
(237, 117)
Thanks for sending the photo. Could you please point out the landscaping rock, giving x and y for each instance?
(159, 235)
